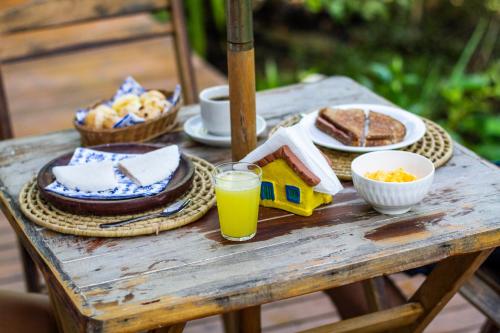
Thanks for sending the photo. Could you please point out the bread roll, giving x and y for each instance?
(101, 117)
(126, 104)
(150, 112)
(152, 94)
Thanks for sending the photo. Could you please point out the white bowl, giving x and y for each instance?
(392, 198)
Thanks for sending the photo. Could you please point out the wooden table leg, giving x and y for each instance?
(65, 321)
(441, 285)
(243, 321)
(375, 293)
(31, 276)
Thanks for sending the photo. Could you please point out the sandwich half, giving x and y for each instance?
(383, 130)
(347, 126)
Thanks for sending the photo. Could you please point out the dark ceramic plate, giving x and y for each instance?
(178, 185)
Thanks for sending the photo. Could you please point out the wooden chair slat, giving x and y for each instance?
(183, 54)
(28, 44)
(374, 322)
(47, 13)
(490, 277)
(5, 122)
(483, 297)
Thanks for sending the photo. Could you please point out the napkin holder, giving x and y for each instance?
(296, 176)
(288, 184)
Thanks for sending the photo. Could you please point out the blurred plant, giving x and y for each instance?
(367, 9)
(271, 76)
(198, 20)
(464, 103)
(412, 52)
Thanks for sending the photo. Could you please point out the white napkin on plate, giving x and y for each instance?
(152, 167)
(298, 140)
(97, 176)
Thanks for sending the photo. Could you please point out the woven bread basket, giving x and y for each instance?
(145, 131)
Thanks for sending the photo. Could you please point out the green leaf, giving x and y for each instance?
(381, 71)
(490, 151)
(492, 126)
(219, 14)
(313, 5)
(196, 25)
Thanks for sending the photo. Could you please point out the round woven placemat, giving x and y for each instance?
(436, 145)
(43, 213)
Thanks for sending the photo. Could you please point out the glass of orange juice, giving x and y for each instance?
(237, 190)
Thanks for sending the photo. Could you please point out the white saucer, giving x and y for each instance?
(415, 128)
(194, 128)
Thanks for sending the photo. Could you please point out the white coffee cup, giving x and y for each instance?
(215, 113)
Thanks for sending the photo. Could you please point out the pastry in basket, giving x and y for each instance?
(126, 104)
(101, 117)
(383, 130)
(346, 126)
(152, 95)
(354, 127)
(139, 115)
(154, 103)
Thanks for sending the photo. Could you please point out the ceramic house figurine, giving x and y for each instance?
(288, 184)
(296, 176)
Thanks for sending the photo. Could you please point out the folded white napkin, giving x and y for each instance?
(298, 140)
(152, 167)
(97, 176)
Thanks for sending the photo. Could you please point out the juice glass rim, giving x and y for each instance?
(257, 168)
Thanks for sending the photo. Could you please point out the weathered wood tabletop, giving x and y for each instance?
(131, 284)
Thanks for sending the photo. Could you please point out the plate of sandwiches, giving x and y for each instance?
(363, 127)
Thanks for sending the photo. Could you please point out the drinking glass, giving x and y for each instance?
(237, 190)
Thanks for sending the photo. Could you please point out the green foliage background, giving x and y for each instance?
(436, 58)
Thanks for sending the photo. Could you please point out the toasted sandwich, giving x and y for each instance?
(383, 130)
(353, 127)
(347, 126)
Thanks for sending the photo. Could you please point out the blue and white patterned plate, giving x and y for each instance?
(126, 189)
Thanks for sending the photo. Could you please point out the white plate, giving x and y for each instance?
(196, 131)
(415, 128)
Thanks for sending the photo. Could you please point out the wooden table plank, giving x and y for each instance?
(192, 272)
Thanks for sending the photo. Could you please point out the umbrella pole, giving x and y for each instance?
(241, 73)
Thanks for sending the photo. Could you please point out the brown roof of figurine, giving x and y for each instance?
(286, 154)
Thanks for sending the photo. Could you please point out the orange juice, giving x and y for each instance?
(238, 195)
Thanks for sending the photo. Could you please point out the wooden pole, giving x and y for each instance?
(241, 72)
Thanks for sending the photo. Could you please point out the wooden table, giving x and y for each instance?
(132, 284)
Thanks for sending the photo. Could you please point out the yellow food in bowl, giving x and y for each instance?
(396, 176)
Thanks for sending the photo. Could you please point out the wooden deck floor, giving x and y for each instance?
(43, 95)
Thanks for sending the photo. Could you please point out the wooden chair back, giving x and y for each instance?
(27, 18)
